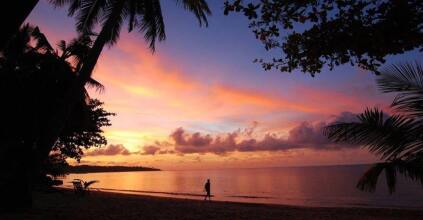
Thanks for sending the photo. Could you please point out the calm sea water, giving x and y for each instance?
(308, 186)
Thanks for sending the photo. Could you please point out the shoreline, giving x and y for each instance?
(192, 197)
(64, 204)
(85, 169)
(245, 199)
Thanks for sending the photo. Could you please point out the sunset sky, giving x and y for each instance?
(200, 102)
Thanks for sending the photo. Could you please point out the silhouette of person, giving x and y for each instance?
(207, 189)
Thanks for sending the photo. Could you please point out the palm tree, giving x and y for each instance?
(35, 78)
(144, 15)
(396, 138)
(77, 51)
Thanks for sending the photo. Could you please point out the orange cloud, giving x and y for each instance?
(110, 150)
(253, 97)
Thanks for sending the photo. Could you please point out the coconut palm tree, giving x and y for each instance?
(77, 51)
(396, 138)
(143, 15)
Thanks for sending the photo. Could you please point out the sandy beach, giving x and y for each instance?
(105, 205)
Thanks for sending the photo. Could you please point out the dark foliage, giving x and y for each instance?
(56, 165)
(312, 34)
(34, 79)
(84, 134)
(144, 16)
(398, 138)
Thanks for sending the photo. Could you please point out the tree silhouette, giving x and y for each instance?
(144, 15)
(313, 34)
(35, 79)
(11, 22)
(397, 138)
(84, 130)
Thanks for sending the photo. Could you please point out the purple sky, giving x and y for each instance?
(203, 81)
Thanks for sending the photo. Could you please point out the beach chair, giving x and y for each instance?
(87, 184)
(78, 187)
(81, 187)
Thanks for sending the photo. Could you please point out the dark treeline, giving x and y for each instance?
(101, 169)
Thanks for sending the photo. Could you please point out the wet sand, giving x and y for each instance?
(106, 205)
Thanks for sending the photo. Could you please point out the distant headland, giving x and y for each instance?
(101, 169)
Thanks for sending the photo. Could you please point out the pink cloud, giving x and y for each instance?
(110, 150)
(150, 150)
(305, 135)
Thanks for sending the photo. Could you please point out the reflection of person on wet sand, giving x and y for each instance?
(207, 189)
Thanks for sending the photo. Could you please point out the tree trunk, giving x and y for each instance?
(13, 14)
(16, 178)
(18, 134)
(105, 34)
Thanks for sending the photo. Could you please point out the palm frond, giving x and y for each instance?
(65, 50)
(74, 6)
(80, 46)
(89, 183)
(89, 13)
(390, 138)
(20, 44)
(42, 42)
(78, 49)
(62, 45)
(92, 83)
(199, 8)
(398, 138)
(369, 179)
(391, 176)
(112, 18)
(407, 81)
(61, 3)
(131, 9)
(151, 22)
(410, 168)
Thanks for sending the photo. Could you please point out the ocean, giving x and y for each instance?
(323, 186)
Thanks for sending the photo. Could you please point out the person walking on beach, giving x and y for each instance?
(207, 189)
